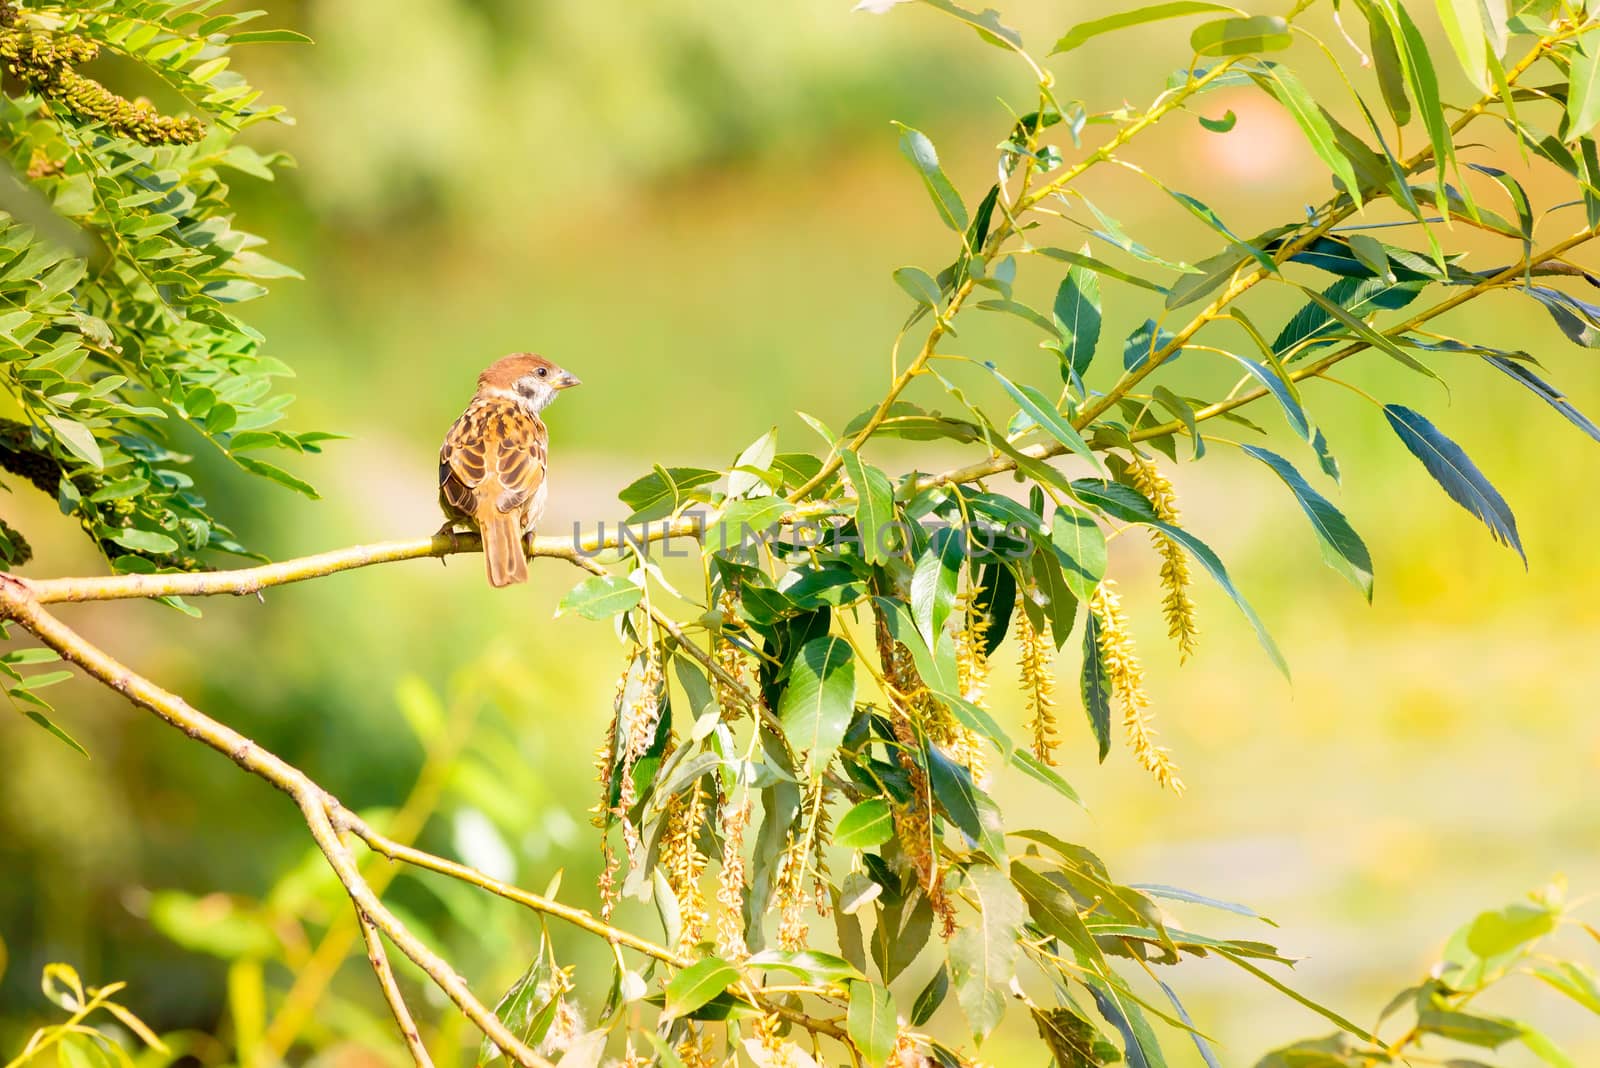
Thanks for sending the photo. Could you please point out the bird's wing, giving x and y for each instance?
(494, 454)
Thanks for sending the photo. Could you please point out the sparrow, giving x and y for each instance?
(492, 463)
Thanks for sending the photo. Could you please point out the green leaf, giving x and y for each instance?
(1054, 912)
(933, 584)
(1144, 343)
(919, 284)
(871, 1022)
(1456, 473)
(1386, 58)
(1381, 342)
(1039, 771)
(1222, 125)
(1313, 122)
(1177, 894)
(1342, 548)
(1508, 929)
(1094, 684)
(983, 954)
(697, 984)
(1575, 980)
(1424, 90)
(1464, 26)
(868, 824)
(1077, 316)
(874, 506)
(48, 724)
(1089, 263)
(1282, 389)
(276, 474)
(967, 806)
(931, 997)
(916, 147)
(1241, 36)
(1043, 412)
(144, 541)
(745, 520)
(601, 597)
(1080, 545)
(77, 439)
(663, 490)
(817, 704)
(1583, 87)
(1085, 32)
(808, 964)
(1482, 1031)
(269, 37)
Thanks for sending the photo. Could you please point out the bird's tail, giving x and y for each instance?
(502, 548)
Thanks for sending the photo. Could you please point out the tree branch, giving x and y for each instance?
(391, 993)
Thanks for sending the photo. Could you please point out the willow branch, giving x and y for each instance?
(17, 603)
(379, 959)
(1240, 284)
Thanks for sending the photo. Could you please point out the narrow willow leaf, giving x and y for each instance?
(1021, 311)
(1456, 473)
(1054, 911)
(916, 147)
(1140, 1047)
(1043, 412)
(1039, 771)
(931, 998)
(1094, 684)
(1547, 393)
(933, 584)
(1182, 411)
(1077, 317)
(1242, 36)
(1342, 547)
(1060, 604)
(50, 725)
(919, 284)
(1579, 320)
(1360, 296)
(1313, 122)
(1178, 894)
(1424, 85)
(968, 807)
(1282, 389)
(1214, 272)
(1080, 545)
(1463, 24)
(1519, 200)
(874, 506)
(1583, 87)
(1204, 213)
(1361, 330)
(1112, 233)
(1085, 32)
(1079, 259)
(871, 1022)
(1386, 58)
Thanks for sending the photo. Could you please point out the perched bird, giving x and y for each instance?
(492, 463)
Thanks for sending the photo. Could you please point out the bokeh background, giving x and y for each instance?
(697, 208)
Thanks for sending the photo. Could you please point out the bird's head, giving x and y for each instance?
(532, 380)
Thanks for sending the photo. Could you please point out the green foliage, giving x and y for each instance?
(121, 273)
(800, 712)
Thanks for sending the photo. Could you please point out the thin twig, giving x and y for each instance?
(391, 993)
(17, 603)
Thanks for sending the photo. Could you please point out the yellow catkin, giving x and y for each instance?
(730, 883)
(1126, 676)
(791, 895)
(1176, 604)
(1036, 664)
(684, 863)
(912, 706)
(972, 665)
(730, 658)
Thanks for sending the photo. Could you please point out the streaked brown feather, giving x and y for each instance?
(491, 467)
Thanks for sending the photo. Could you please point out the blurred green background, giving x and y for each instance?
(696, 208)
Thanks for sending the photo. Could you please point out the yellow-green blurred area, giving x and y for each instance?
(696, 208)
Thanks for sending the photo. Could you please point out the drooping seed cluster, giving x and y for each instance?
(1127, 682)
(730, 882)
(1036, 665)
(1176, 604)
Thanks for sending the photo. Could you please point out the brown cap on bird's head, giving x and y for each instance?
(505, 372)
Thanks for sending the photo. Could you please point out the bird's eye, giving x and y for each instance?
(542, 372)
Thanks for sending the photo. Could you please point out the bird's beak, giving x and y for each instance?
(568, 380)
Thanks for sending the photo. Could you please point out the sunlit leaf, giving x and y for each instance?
(1456, 473)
